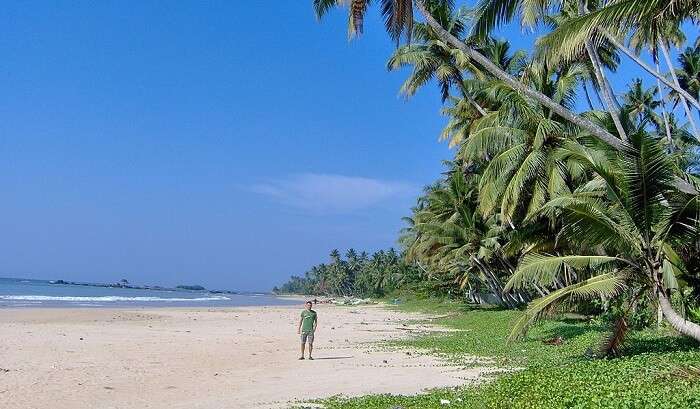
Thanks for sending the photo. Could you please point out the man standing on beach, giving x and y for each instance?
(307, 327)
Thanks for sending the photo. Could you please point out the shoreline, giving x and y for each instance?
(18, 293)
(118, 302)
(209, 357)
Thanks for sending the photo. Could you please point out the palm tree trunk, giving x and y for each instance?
(597, 94)
(470, 294)
(522, 296)
(667, 57)
(611, 104)
(680, 324)
(496, 287)
(497, 72)
(669, 138)
(650, 70)
(588, 97)
(475, 105)
(469, 98)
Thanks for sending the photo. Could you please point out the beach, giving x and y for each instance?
(211, 358)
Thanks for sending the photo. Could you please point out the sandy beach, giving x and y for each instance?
(206, 358)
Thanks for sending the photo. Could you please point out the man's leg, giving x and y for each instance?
(311, 344)
(303, 343)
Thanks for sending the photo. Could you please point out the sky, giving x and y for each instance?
(186, 142)
(227, 144)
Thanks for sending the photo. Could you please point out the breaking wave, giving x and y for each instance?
(106, 298)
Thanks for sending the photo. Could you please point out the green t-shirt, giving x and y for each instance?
(308, 318)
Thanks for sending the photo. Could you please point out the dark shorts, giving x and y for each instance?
(307, 336)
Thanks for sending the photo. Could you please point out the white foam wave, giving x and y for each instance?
(106, 298)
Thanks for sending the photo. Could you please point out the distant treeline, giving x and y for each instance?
(358, 274)
(190, 287)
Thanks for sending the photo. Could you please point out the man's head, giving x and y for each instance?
(308, 305)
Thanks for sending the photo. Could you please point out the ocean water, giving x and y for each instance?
(24, 293)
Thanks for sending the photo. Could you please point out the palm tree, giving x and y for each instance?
(655, 72)
(612, 23)
(398, 15)
(337, 274)
(689, 72)
(451, 239)
(658, 37)
(626, 224)
(570, 38)
(685, 154)
(611, 104)
(641, 102)
(431, 58)
(519, 145)
(492, 12)
(464, 112)
(605, 51)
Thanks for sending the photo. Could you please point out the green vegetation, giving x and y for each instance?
(556, 202)
(658, 369)
(358, 275)
(546, 204)
(190, 287)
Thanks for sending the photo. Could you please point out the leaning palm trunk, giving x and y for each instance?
(595, 130)
(473, 103)
(606, 91)
(471, 296)
(495, 285)
(611, 104)
(667, 57)
(476, 105)
(497, 72)
(588, 95)
(522, 297)
(650, 70)
(669, 138)
(680, 324)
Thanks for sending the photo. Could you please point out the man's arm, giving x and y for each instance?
(315, 323)
(299, 327)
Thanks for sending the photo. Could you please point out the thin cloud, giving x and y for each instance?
(333, 193)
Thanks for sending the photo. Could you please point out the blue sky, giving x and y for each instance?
(186, 142)
(228, 144)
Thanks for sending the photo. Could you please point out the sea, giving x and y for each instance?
(27, 293)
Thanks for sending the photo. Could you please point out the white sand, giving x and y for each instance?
(204, 358)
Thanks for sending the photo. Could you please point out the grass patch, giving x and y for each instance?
(658, 369)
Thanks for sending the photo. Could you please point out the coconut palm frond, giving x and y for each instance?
(589, 220)
(609, 285)
(543, 269)
(398, 18)
(321, 7)
(493, 180)
(649, 175)
(567, 40)
(531, 168)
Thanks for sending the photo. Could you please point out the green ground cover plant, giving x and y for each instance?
(568, 198)
(658, 369)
